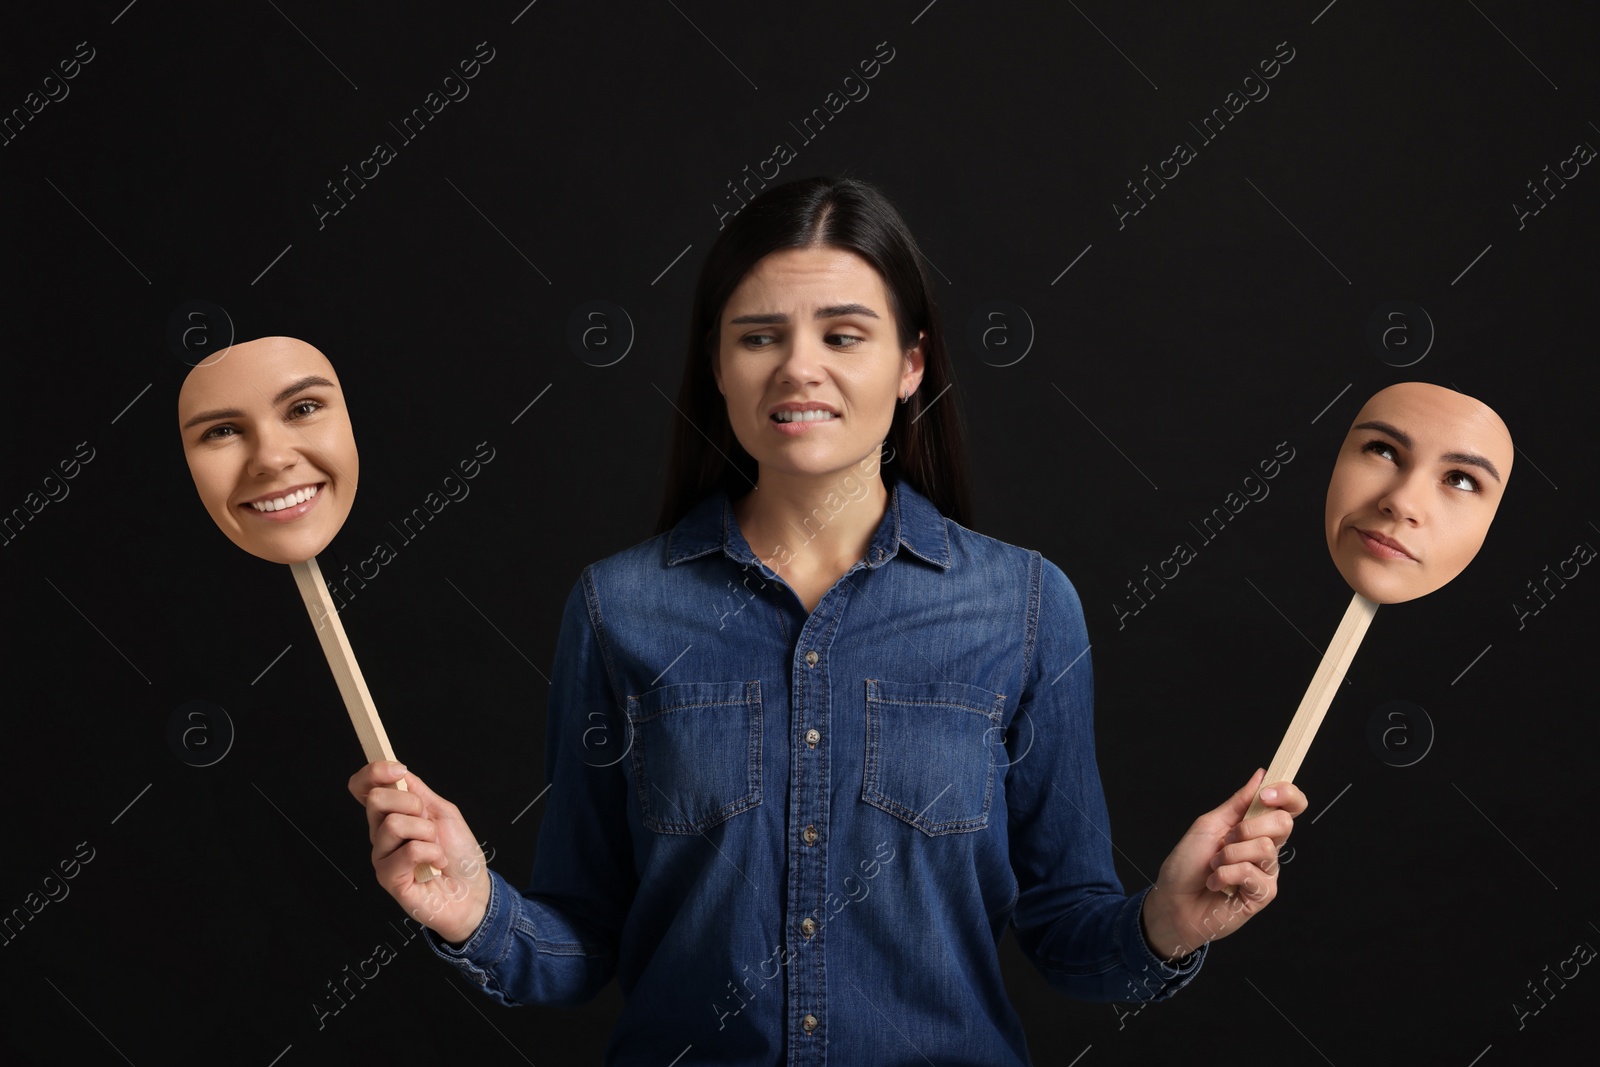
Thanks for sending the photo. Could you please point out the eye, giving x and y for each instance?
(217, 433)
(843, 340)
(758, 341)
(302, 408)
(1382, 449)
(1463, 481)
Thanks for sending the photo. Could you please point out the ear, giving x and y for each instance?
(911, 374)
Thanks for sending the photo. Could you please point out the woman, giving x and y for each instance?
(814, 746)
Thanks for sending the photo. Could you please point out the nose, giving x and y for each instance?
(275, 450)
(802, 360)
(1403, 500)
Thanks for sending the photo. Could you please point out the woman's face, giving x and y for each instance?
(809, 359)
(1414, 489)
(269, 443)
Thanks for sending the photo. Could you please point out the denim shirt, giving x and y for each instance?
(799, 837)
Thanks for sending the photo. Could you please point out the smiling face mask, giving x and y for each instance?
(269, 443)
(1416, 484)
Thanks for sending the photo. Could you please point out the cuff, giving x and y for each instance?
(1153, 977)
(489, 943)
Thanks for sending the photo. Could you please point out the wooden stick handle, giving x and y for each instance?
(1314, 705)
(347, 673)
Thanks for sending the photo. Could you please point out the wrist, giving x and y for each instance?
(1158, 921)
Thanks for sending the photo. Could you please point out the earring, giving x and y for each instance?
(904, 397)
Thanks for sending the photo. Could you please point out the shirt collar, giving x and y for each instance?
(910, 520)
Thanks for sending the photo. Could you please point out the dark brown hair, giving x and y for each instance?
(925, 442)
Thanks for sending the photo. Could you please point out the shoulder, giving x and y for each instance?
(995, 558)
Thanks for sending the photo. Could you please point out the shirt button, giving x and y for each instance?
(809, 1024)
(811, 658)
(809, 835)
(812, 737)
(808, 926)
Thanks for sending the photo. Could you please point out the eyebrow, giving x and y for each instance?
(1471, 459)
(283, 394)
(832, 311)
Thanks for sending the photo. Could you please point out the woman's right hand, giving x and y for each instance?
(421, 827)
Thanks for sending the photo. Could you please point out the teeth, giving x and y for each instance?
(298, 497)
(804, 416)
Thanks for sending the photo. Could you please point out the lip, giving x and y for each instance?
(795, 429)
(1383, 546)
(287, 514)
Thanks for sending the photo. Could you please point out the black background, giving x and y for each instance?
(590, 162)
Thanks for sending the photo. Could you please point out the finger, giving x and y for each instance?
(1230, 811)
(375, 775)
(1276, 825)
(1249, 881)
(396, 829)
(1285, 796)
(398, 869)
(383, 800)
(1259, 851)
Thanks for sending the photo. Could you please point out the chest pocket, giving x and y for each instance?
(931, 753)
(696, 754)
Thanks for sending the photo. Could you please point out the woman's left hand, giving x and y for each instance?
(1188, 906)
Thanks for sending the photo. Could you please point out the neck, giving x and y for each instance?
(814, 521)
